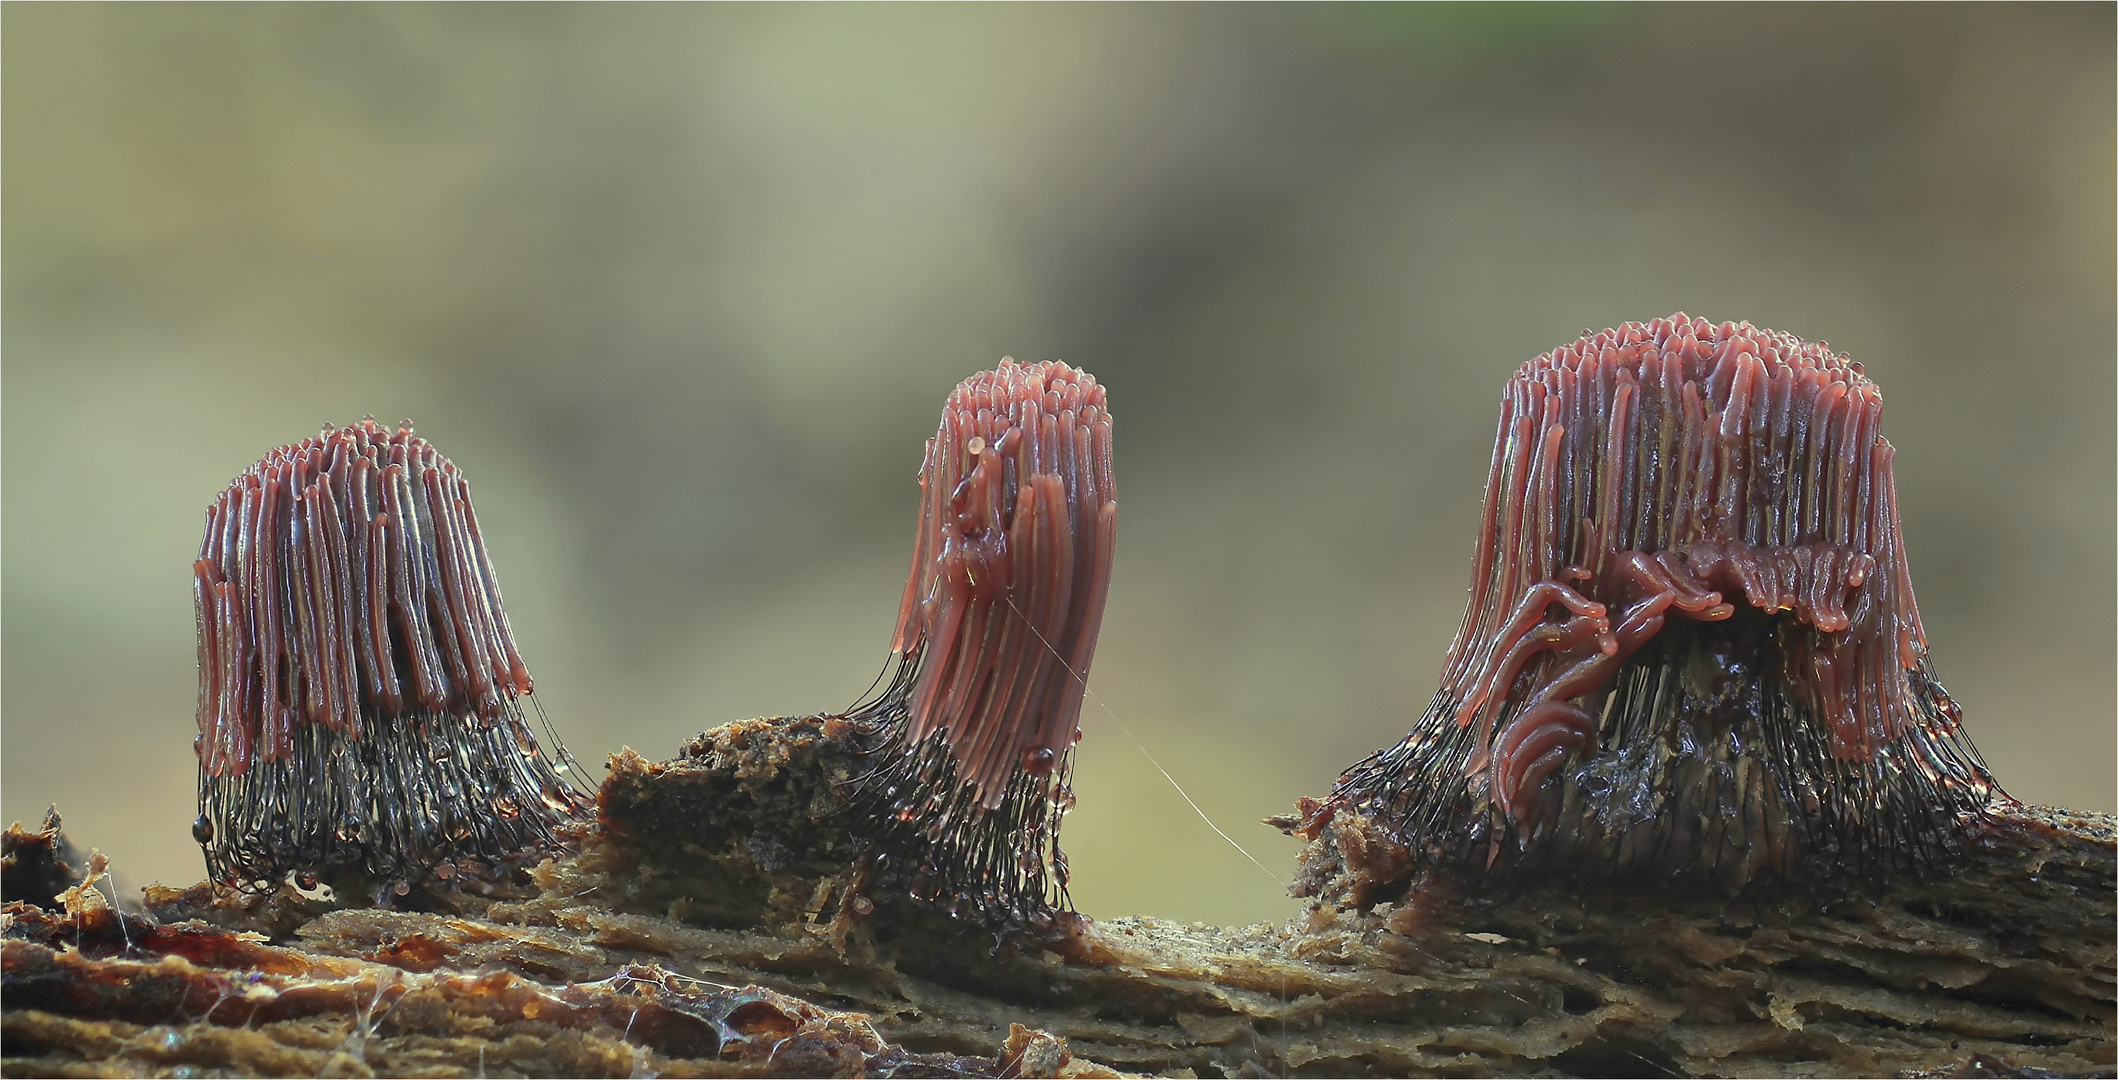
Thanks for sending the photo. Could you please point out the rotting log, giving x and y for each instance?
(717, 923)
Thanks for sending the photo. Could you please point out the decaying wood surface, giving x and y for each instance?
(717, 923)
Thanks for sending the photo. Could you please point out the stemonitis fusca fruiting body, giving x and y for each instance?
(360, 691)
(972, 736)
(1691, 647)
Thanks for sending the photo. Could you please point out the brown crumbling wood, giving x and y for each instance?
(725, 872)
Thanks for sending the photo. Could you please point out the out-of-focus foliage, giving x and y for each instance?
(682, 290)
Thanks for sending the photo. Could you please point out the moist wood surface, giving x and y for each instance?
(719, 926)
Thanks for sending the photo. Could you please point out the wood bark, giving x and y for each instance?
(718, 921)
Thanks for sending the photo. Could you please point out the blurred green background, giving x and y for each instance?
(682, 290)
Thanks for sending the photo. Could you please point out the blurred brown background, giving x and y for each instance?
(682, 290)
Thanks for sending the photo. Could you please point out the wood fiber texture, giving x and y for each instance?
(717, 925)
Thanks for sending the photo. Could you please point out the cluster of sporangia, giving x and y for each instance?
(359, 686)
(1691, 646)
(974, 735)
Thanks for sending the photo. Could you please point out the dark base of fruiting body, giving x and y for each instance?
(772, 822)
(932, 839)
(419, 803)
(897, 813)
(1707, 772)
(764, 823)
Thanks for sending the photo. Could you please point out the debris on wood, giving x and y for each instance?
(718, 924)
